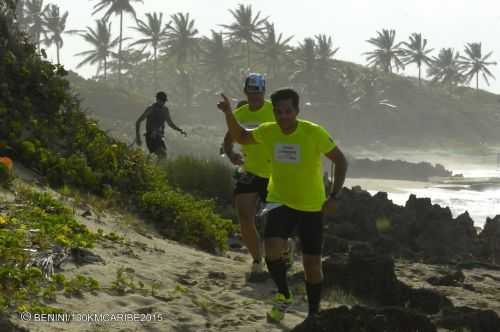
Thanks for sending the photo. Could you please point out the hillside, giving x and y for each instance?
(361, 106)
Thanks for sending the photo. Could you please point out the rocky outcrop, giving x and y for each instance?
(385, 319)
(398, 307)
(371, 276)
(464, 318)
(490, 239)
(395, 169)
(418, 229)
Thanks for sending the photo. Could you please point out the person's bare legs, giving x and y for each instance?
(246, 205)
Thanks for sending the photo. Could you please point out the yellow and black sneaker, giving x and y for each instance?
(280, 307)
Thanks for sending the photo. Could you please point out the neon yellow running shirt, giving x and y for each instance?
(296, 167)
(256, 158)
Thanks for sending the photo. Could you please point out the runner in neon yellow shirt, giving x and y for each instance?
(256, 167)
(297, 190)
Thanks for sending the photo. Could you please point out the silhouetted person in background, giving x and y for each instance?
(156, 115)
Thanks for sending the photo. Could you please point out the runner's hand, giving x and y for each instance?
(224, 105)
(235, 158)
(329, 207)
(183, 133)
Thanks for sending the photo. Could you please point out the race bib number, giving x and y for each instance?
(287, 153)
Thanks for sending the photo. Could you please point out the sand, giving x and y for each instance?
(193, 290)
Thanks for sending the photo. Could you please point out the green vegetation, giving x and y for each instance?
(204, 177)
(34, 224)
(125, 282)
(42, 120)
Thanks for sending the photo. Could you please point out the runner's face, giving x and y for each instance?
(285, 114)
(255, 99)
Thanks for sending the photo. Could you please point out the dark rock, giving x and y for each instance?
(366, 275)
(469, 287)
(334, 244)
(385, 319)
(217, 275)
(455, 279)
(427, 301)
(87, 214)
(83, 256)
(475, 320)
(419, 228)
(490, 239)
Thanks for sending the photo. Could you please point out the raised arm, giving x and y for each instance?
(237, 132)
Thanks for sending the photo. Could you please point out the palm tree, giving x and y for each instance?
(132, 64)
(181, 41)
(117, 7)
(55, 25)
(445, 68)
(475, 63)
(306, 63)
(217, 59)
(324, 53)
(34, 20)
(247, 28)
(154, 32)
(102, 43)
(274, 49)
(387, 54)
(415, 52)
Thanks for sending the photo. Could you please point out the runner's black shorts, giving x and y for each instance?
(284, 222)
(156, 144)
(248, 183)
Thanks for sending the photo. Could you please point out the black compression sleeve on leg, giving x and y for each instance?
(313, 296)
(277, 269)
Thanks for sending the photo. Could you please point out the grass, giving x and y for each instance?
(337, 296)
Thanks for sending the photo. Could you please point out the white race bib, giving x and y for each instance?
(287, 153)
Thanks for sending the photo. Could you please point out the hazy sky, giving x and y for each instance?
(445, 23)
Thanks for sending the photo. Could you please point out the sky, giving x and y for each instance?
(445, 23)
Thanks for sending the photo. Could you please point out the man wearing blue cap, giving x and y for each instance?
(255, 167)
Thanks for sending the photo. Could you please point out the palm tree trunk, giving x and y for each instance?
(419, 81)
(58, 58)
(477, 82)
(155, 77)
(120, 49)
(105, 68)
(248, 53)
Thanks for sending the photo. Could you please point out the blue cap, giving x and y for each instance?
(255, 83)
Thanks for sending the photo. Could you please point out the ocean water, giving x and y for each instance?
(480, 204)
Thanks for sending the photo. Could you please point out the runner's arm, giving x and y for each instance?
(171, 124)
(236, 131)
(227, 146)
(338, 158)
